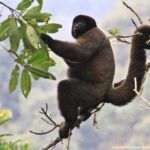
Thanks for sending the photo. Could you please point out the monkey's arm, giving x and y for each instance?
(67, 50)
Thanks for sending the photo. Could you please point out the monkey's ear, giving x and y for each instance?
(46, 39)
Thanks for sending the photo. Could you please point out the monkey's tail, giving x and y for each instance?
(124, 93)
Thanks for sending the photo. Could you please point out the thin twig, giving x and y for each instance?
(44, 111)
(7, 6)
(43, 132)
(128, 36)
(134, 24)
(69, 139)
(94, 120)
(11, 9)
(76, 124)
(47, 121)
(52, 144)
(131, 9)
(123, 41)
(139, 94)
(145, 107)
(121, 38)
(97, 109)
(8, 51)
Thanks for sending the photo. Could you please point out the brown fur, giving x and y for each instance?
(91, 72)
(124, 93)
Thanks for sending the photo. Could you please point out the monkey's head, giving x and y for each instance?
(82, 24)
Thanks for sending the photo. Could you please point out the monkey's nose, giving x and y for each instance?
(76, 28)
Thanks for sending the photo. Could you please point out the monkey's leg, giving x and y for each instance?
(68, 107)
(83, 113)
(71, 95)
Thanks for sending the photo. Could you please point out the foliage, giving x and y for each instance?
(24, 25)
(17, 145)
(113, 33)
(6, 115)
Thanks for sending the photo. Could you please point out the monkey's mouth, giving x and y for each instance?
(77, 31)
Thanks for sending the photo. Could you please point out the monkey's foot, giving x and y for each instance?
(84, 117)
(83, 114)
(65, 130)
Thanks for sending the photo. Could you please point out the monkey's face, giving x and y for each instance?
(82, 24)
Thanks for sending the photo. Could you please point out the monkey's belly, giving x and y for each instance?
(84, 74)
(77, 73)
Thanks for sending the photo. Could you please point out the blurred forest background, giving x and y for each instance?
(117, 126)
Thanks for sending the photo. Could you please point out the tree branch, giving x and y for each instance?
(139, 93)
(132, 10)
(76, 124)
(50, 121)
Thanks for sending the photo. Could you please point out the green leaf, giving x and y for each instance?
(44, 46)
(31, 12)
(36, 77)
(40, 72)
(4, 28)
(24, 4)
(14, 79)
(24, 37)
(5, 134)
(49, 62)
(5, 115)
(38, 57)
(25, 147)
(35, 13)
(41, 60)
(49, 28)
(116, 31)
(40, 2)
(25, 83)
(33, 36)
(25, 53)
(111, 31)
(14, 34)
(40, 17)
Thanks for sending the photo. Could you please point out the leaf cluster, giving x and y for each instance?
(5, 116)
(113, 33)
(24, 25)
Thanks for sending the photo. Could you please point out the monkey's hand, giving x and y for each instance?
(145, 37)
(148, 43)
(47, 39)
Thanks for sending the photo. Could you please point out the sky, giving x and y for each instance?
(64, 11)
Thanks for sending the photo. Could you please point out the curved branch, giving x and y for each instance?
(42, 133)
(131, 9)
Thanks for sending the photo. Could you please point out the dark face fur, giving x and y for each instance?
(82, 24)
